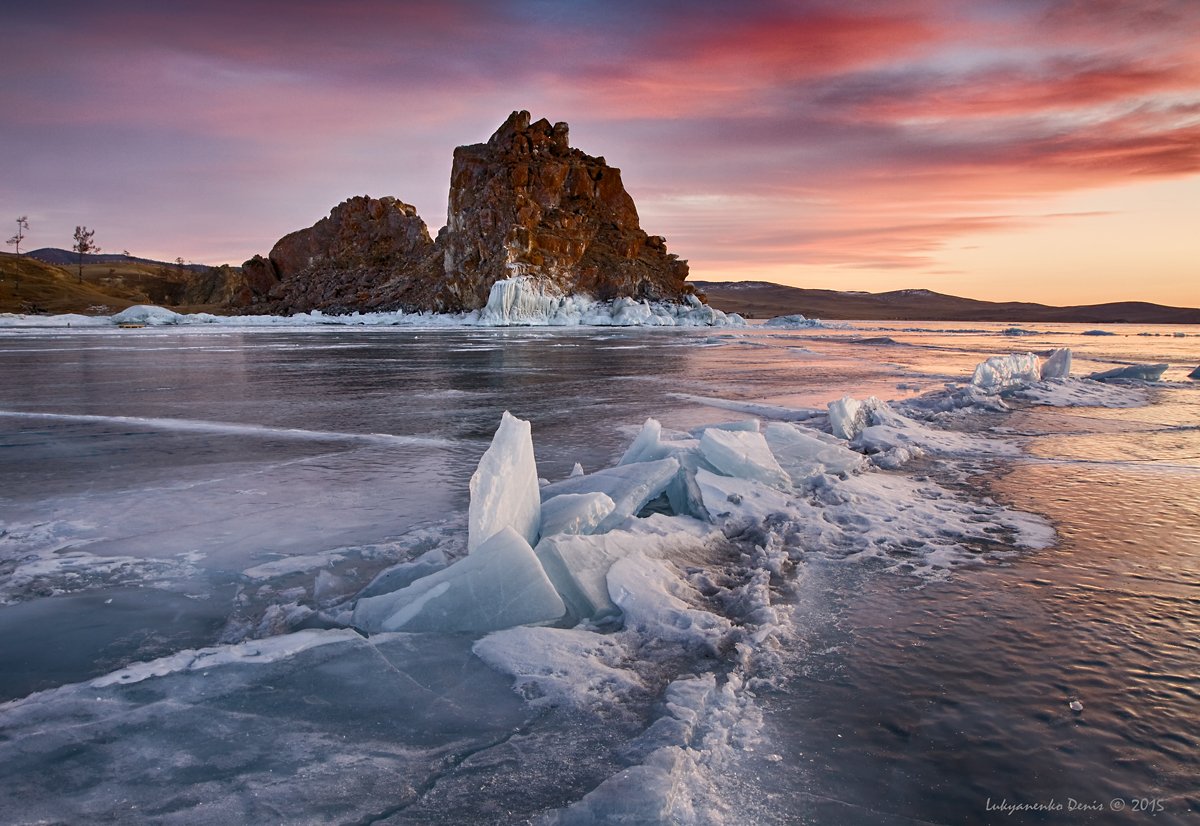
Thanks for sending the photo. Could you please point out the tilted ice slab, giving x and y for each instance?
(1057, 365)
(498, 585)
(629, 486)
(578, 565)
(802, 451)
(1000, 372)
(1134, 372)
(575, 513)
(504, 488)
(682, 492)
(744, 454)
(1195, 374)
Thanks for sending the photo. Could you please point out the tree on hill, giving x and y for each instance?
(84, 244)
(22, 225)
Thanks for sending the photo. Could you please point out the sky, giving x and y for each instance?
(1040, 150)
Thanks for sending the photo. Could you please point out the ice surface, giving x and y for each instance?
(504, 488)
(1083, 393)
(147, 314)
(562, 666)
(744, 454)
(315, 727)
(760, 409)
(575, 513)
(629, 486)
(1134, 372)
(1057, 365)
(498, 585)
(802, 451)
(708, 724)
(1000, 372)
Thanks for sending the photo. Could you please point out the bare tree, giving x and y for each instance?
(83, 245)
(22, 225)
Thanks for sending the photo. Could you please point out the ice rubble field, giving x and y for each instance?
(664, 576)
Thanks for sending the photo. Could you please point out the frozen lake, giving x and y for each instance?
(899, 648)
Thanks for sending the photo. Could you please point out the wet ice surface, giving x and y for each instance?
(885, 651)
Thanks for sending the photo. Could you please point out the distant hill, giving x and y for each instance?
(63, 258)
(763, 299)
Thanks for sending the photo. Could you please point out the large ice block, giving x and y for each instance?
(1000, 372)
(578, 565)
(743, 454)
(504, 488)
(629, 486)
(499, 585)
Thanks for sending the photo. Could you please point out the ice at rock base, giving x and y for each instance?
(504, 488)
(1135, 372)
(525, 300)
(521, 301)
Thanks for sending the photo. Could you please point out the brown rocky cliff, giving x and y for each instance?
(358, 258)
(526, 203)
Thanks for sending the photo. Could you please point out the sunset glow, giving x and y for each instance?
(1042, 150)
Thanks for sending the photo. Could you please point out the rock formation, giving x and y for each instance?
(524, 203)
(362, 257)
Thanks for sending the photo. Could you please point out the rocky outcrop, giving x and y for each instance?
(523, 204)
(526, 203)
(362, 257)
